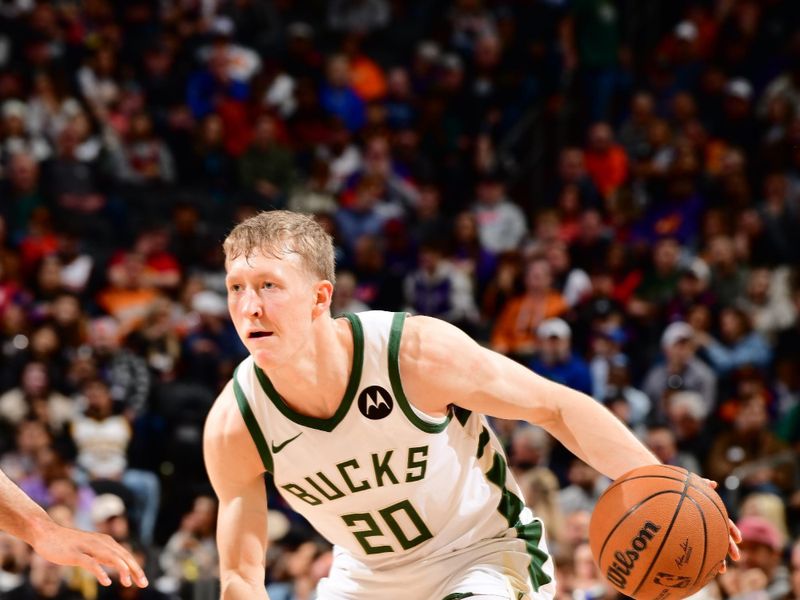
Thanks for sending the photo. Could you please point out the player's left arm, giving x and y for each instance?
(441, 365)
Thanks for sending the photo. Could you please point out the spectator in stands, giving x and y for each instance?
(769, 507)
(606, 161)
(212, 87)
(338, 97)
(267, 168)
(344, 300)
(109, 516)
(584, 489)
(191, 552)
(761, 549)
(102, 439)
(126, 372)
(692, 290)
(659, 283)
(752, 453)
(555, 359)
(728, 275)
(634, 133)
(142, 158)
(529, 448)
(36, 397)
(24, 191)
(767, 301)
(738, 345)
(681, 370)
(661, 440)
(632, 405)
(15, 135)
(540, 488)
(211, 348)
(438, 289)
(501, 223)
(515, 330)
(572, 174)
(45, 580)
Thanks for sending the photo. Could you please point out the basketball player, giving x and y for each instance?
(372, 426)
(23, 518)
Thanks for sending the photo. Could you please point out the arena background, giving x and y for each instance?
(607, 191)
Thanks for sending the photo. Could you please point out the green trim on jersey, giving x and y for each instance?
(252, 424)
(458, 596)
(397, 385)
(510, 506)
(330, 423)
(532, 534)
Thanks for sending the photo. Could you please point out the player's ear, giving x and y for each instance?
(323, 295)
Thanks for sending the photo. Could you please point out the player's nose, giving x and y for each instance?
(252, 304)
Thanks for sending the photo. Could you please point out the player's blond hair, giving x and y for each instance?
(278, 232)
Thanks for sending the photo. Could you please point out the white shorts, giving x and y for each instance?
(498, 569)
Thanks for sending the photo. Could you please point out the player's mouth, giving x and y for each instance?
(253, 335)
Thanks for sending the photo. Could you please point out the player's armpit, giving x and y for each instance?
(236, 473)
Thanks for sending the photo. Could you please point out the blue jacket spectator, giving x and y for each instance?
(556, 361)
(739, 346)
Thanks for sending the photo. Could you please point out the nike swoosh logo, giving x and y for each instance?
(279, 447)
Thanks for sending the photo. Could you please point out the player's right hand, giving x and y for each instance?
(92, 551)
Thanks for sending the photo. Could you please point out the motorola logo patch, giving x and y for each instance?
(375, 402)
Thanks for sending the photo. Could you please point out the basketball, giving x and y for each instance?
(659, 533)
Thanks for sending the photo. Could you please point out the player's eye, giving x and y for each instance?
(235, 287)
(268, 285)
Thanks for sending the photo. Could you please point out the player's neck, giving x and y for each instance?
(314, 383)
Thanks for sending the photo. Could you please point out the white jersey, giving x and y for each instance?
(385, 483)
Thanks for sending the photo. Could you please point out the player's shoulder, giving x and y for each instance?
(226, 435)
(428, 342)
(222, 415)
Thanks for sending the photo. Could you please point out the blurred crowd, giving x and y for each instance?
(607, 191)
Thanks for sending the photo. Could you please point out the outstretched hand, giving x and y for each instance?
(734, 535)
(92, 551)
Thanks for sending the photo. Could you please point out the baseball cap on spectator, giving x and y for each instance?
(698, 269)
(222, 26)
(676, 332)
(106, 506)
(739, 88)
(757, 530)
(14, 108)
(686, 402)
(686, 30)
(429, 50)
(452, 62)
(556, 327)
(300, 29)
(209, 303)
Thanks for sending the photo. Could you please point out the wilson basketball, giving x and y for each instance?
(659, 533)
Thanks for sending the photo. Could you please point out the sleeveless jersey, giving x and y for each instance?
(381, 480)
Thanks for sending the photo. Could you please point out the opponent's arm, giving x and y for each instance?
(237, 475)
(440, 364)
(23, 518)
